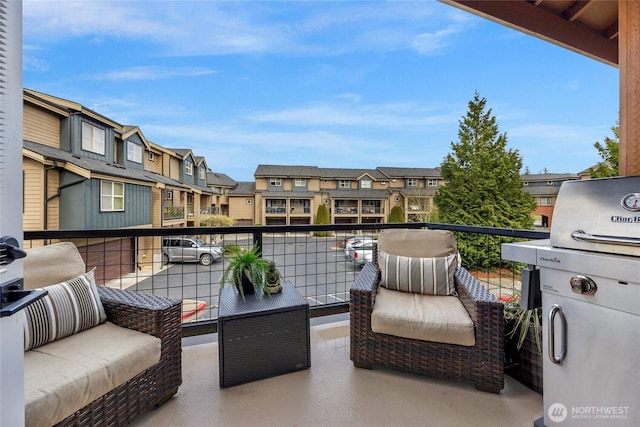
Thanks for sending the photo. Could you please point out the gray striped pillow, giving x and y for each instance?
(69, 307)
(427, 276)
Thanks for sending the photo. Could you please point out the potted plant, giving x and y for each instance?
(523, 343)
(246, 270)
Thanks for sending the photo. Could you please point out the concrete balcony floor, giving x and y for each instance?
(335, 393)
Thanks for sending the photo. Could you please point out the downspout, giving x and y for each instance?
(46, 192)
(48, 199)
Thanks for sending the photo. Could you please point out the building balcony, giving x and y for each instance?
(332, 391)
(172, 212)
(346, 210)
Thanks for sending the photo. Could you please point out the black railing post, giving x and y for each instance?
(257, 240)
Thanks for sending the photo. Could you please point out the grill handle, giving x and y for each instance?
(558, 360)
(609, 240)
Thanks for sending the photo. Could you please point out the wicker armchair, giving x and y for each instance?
(154, 315)
(481, 364)
(151, 314)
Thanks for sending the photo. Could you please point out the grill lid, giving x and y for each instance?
(601, 215)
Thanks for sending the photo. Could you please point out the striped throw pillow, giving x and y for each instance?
(427, 276)
(69, 307)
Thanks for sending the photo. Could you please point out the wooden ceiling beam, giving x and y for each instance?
(531, 19)
(576, 9)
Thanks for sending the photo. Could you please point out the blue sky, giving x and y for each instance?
(353, 84)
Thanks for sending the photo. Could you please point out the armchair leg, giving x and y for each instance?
(488, 388)
(363, 365)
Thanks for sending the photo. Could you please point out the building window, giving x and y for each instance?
(545, 201)
(432, 182)
(366, 183)
(343, 183)
(550, 183)
(168, 194)
(134, 152)
(93, 138)
(249, 201)
(412, 182)
(189, 198)
(111, 196)
(300, 182)
(201, 173)
(152, 157)
(275, 182)
(188, 168)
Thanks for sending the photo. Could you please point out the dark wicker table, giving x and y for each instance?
(263, 336)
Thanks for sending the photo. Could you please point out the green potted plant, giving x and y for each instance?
(523, 343)
(246, 270)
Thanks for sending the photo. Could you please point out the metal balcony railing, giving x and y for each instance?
(172, 212)
(310, 256)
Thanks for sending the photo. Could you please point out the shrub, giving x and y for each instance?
(397, 214)
(322, 217)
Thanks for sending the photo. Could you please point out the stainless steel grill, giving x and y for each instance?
(590, 284)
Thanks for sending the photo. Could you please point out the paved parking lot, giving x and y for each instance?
(316, 266)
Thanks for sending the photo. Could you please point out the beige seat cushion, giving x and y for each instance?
(417, 243)
(47, 265)
(422, 317)
(66, 375)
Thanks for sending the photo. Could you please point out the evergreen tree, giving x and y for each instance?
(397, 214)
(483, 187)
(322, 217)
(609, 153)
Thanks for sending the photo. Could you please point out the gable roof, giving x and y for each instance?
(286, 171)
(73, 106)
(93, 168)
(220, 179)
(244, 188)
(394, 172)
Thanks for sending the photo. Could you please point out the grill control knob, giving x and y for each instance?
(583, 285)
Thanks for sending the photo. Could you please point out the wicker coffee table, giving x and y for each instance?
(263, 336)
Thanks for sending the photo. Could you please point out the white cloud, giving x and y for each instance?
(179, 28)
(391, 116)
(152, 73)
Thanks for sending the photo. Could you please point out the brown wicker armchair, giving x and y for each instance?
(481, 363)
(150, 314)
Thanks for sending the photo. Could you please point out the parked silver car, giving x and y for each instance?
(189, 249)
(356, 243)
(362, 254)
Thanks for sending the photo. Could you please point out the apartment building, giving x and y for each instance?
(544, 188)
(82, 170)
(220, 184)
(287, 195)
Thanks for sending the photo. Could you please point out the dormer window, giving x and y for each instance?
(201, 173)
(300, 182)
(93, 138)
(134, 152)
(366, 183)
(412, 182)
(432, 182)
(275, 182)
(188, 168)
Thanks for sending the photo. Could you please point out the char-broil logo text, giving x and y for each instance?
(554, 260)
(628, 219)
